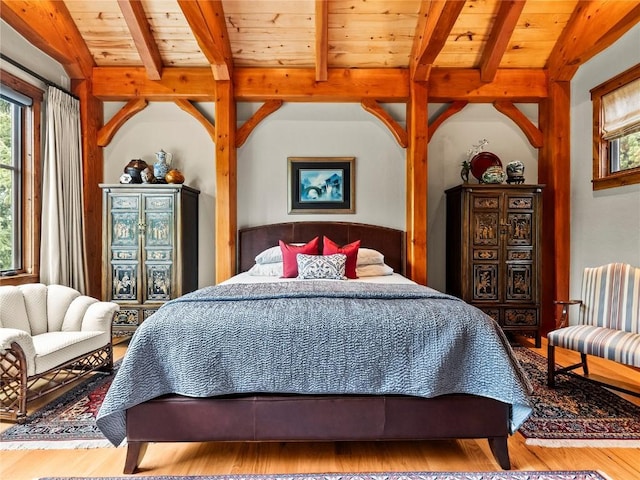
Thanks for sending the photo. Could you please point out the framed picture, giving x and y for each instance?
(322, 184)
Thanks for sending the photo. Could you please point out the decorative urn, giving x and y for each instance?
(134, 168)
(494, 174)
(174, 176)
(515, 172)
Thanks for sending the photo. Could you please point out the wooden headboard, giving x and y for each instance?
(389, 241)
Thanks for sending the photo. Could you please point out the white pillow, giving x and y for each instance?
(369, 256)
(270, 255)
(374, 270)
(266, 270)
(321, 266)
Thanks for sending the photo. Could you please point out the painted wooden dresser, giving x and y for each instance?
(494, 252)
(150, 248)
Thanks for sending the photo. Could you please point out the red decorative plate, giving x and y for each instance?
(481, 161)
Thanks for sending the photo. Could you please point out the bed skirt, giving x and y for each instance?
(268, 417)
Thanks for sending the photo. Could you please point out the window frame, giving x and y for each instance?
(31, 187)
(602, 176)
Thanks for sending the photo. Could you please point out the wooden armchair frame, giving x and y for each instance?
(17, 389)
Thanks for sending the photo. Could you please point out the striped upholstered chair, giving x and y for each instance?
(609, 321)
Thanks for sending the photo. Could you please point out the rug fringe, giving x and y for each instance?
(564, 443)
(58, 445)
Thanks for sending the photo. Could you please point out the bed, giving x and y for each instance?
(377, 358)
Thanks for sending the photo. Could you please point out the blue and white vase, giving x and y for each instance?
(161, 167)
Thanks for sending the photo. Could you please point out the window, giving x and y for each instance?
(616, 134)
(20, 180)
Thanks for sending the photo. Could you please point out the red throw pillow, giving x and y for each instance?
(350, 250)
(289, 252)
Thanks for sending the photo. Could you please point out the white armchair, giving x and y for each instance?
(49, 337)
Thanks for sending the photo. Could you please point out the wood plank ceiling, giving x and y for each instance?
(366, 51)
(359, 33)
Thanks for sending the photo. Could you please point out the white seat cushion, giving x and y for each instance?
(56, 348)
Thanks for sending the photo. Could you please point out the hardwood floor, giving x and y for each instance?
(247, 458)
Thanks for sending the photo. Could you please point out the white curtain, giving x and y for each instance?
(62, 257)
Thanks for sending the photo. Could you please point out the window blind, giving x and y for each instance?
(621, 111)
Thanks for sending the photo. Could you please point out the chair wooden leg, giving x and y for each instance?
(551, 366)
(585, 367)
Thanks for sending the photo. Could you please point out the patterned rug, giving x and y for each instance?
(67, 422)
(563, 475)
(577, 413)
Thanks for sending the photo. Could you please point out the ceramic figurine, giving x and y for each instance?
(147, 176)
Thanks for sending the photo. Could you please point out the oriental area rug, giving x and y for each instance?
(576, 413)
(559, 475)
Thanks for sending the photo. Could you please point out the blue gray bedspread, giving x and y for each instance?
(315, 337)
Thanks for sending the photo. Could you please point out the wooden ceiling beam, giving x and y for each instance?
(594, 25)
(322, 39)
(451, 110)
(397, 130)
(435, 22)
(48, 25)
(517, 85)
(191, 109)
(124, 83)
(247, 127)
(136, 19)
(531, 131)
(133, 106)
(206, 19)
(503, 27)
(300, 85)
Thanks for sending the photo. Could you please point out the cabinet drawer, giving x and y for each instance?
(126, 318)
(158, 202)
(516, 317)
(493, 313)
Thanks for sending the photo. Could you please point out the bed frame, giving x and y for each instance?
(278, 417)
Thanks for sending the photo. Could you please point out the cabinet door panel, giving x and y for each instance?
(124, 229)
(124, 283)
(485, 282)
(485, 229)
(159, 231)
(159, 282)
(519, 282)
(520, 229)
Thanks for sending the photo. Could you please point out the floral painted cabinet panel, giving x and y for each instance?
(493, 251)
(150, 249)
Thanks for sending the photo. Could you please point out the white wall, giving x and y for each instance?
(605, 224)
(321, 130)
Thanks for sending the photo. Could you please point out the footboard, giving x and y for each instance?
(316, 418)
